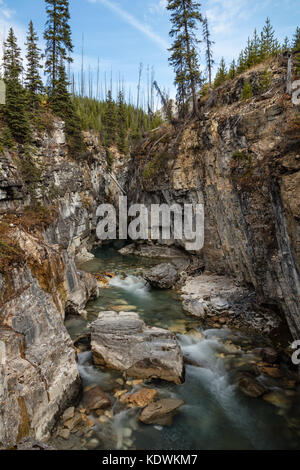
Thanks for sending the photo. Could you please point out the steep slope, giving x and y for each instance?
(242, 160)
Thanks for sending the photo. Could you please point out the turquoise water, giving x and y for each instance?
(216, 415)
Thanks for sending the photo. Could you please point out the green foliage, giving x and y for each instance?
(15, 106)
(247, 92)
(153, 167)
(110, 121)
(58, 39)
(184, 58)
(221, 74)
(33, 81)
(232, 70)
(265, 80)
(6, 139)
(93, 113)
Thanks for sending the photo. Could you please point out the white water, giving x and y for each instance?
(132, 284)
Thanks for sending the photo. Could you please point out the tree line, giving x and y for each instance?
(187, 21)
(259, 48)
(29, 100)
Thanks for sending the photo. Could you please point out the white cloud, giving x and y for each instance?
(135, 23)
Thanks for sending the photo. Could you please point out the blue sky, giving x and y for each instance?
(123, 33)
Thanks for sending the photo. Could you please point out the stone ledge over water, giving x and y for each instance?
(122, 341)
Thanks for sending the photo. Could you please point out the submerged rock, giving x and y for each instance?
(95, 398)
(162, 276)
(251, 387)
(161, 412)
(269, 355)
(122, 341)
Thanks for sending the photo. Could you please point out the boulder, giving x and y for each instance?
(95, 398)
(162, 276)
(141, 398)
(251, 387)
(269, 355)
(161, 412)
(194, 307)
(122, 341)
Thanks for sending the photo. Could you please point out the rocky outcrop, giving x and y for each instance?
(162, 276)
(241, 160)
(48, 205)
(122, 341)
(39, 376)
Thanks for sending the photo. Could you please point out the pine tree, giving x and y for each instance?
(122, 124)
(269, 44)
(232, 70)
(15, 107)
(241, 63)
(296, 39)
(221, 73)
(209, 56)
(110, 121)
(286, 45)
(185, 14)
(58, 39)
(33, 81)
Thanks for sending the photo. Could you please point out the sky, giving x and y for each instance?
(123, 33)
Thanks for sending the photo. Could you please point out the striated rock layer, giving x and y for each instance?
(241, 160)
(44, 226)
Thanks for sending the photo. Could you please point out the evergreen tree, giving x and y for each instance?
(232, 70)
(61, 99)
(110, 121)
(269, 44)
(296, 39)
(241, 63)
(122, 124)
(221, 73)
(33, 81)
(15, 107)
(185, 15)
(209, 56)
(58, 39)
(286, 44)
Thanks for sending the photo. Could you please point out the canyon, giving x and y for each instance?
(241, 160)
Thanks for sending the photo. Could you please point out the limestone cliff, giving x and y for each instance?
(241, 159)
(48, 204)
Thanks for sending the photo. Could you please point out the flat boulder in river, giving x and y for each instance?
(162, 276)
(122, 341)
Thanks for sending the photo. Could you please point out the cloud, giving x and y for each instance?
(135, 23)
(223, 14)
(5, 11)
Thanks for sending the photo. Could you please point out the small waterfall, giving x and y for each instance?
(133, 284)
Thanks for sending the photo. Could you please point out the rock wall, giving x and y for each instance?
(241, 159)
(48, 204)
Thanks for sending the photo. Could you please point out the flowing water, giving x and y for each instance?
(216, 415)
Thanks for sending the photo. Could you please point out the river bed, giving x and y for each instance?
(216, 414)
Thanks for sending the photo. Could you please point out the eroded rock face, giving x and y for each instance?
(39, 376)
(162, 276)
(242, 161)
(122, 341)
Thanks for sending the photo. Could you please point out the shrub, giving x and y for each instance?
(247, 92)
